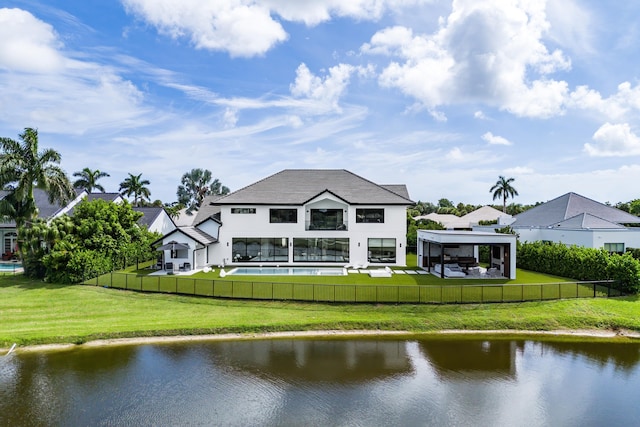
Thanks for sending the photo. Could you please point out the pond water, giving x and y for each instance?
(344, 382)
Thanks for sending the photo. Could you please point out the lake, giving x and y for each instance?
(327, 382)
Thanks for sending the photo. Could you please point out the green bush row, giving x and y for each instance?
(581, 263)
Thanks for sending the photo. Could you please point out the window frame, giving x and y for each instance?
(273, 215)
(364, 215)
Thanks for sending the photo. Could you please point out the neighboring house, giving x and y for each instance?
(155, 220)
(573, 219)
(468, 221)
(298, 216)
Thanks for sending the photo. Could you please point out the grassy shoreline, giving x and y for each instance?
(35, 313)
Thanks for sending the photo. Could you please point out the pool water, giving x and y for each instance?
(289, 271)
(10, 267)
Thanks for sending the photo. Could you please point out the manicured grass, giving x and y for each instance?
(36, 312)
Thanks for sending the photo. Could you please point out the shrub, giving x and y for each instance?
(580, 263)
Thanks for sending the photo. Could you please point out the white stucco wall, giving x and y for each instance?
(587, 238)
(258, 225)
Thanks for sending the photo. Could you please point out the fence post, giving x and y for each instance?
(594, 289)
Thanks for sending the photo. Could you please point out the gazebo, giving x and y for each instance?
(442, 247)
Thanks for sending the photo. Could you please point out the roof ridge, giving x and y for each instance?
(377, 185)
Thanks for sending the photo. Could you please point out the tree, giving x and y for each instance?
(503, 189)
(88, 179)
(22, 169)
(196, 185)
(136, 186)
(100, 237)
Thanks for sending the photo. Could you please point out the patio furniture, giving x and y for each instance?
(450, 270)
(168, 266)
(187, 266)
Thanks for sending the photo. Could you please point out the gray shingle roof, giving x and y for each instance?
(109, 197)
(571, 205)
(298, 186)
(149, 214)
(195, 233)
(585, 220)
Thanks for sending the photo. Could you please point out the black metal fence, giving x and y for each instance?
(445, 294)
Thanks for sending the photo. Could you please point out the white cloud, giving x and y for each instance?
(326, 91)
(614, 140)
(571, 25)
(46, 87)
(624, 103)
(249, 27)
(495, 139)
(490, 51)
(28, 44)
(243, 28)
(230, 118)
(518, 170)
(480, 115)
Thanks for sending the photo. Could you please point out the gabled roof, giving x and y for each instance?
(149, 214)
(109, 197)
(585, 220)
(207, 209)
(441, 218)
(485, 213)
(296, 186)
(192, 232)
(568, 206)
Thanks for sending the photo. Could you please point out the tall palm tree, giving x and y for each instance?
(23, 168)
(196, 185)
(88, 179)
(134, 184)
(503, 189)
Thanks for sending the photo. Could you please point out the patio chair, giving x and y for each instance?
(168, 266)
(187, 266)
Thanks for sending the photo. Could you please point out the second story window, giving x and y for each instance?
(243, 210)
(370, 215)
(283, 216)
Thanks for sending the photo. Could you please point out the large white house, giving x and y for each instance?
(297, 216)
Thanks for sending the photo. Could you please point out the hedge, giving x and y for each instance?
(581, 263)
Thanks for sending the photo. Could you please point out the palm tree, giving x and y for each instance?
(134, 184)
(503, 189)
(196, 185)
(23, 168)
(88, 179)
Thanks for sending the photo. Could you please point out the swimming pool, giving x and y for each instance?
(289, 271)
(9, 267)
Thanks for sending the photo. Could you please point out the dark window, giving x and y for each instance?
(614, 247)
(369, 215)
(382, 250)
(256, 249)
(243, 210)
(326, 219)
(283, 215)
(320, 250)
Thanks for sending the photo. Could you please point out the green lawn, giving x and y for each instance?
(36, 312)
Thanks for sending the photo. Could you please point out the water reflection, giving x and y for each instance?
(330, 361)
(441, 381)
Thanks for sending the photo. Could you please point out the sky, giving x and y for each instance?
(443, 96)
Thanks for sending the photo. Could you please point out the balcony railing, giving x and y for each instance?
(326, 225)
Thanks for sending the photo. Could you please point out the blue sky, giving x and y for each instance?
(443, 96)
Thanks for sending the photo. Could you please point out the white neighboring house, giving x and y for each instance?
(298, 217)
(468, 221)
(573, 219)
